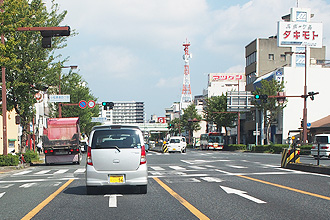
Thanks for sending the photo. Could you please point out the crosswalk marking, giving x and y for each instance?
(157, 168)
(177, 168)
(27, 185)
(42, 172)
(22, 173)
(61, 171)
(211, 179)
(237, 167)
(82, 170)
(197, 167)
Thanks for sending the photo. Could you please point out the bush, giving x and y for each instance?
(233, 147)
(305, 149)
(30, 156)
(9, 160)
(273, 148)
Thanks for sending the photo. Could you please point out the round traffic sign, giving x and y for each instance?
(91, 104)
(82, 104)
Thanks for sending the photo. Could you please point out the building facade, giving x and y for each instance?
(125, 112)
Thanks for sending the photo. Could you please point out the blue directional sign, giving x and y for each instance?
(82, 104)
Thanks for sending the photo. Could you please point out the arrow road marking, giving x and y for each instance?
(113, 200)
(242, 194)
(1, 194)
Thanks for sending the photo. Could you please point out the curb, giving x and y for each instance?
(309, 168)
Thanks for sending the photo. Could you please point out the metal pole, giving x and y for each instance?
(59, 104)
(4, 101)
(239, 120)
(305, 102)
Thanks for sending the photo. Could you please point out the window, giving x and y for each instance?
(271, 56)
(283, 57)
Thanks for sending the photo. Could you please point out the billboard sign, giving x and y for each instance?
(299, 34)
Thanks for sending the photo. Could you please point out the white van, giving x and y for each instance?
(177, 144)
(324, 141)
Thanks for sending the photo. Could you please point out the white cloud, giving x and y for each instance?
(173, 82)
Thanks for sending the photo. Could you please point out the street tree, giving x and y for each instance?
(73, 84)
(176, 127)
(190, 120)
(29, 67)
(216, 112)
(270, 107)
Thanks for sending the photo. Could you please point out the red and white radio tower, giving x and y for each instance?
(186, 97)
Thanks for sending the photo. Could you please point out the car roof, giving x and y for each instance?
(114, 126)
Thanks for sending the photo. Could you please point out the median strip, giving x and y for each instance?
(46, 201)
(186, 204)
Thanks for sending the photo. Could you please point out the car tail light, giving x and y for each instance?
(313, 147)
(89, 156)
(143, 155)
(325, 147)
(46, 151)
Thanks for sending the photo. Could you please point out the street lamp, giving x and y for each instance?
(59, 89)
(304, 96)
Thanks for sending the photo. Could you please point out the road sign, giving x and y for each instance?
(309, 124)
(256, 133)
(91, 104)
(99, 119)
(59, 98)
(82, 104)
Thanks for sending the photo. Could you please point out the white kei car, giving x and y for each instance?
(177, 144)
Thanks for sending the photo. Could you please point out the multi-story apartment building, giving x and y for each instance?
(125, 112)
(269, 59)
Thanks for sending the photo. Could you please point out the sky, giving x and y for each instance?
(131, 50)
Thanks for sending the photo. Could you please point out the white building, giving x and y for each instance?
(124, 112)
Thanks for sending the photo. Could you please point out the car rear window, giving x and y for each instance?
(174, 140)
(322, 139)
(121, 138)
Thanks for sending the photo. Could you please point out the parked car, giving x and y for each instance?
(116, 156)
(324, 141)
(177, 144)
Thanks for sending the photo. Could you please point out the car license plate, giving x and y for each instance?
(116, 179)
(61, 152)
(174, 149)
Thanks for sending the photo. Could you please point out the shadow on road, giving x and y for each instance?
(124, 190)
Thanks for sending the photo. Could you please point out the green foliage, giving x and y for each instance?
(215, 111)
(73, 84)
(234, 147)
(271, 108)
(190, 120)
(30, 156)
(274, 148)
(9, 160)
(29, 67)
(176, 127)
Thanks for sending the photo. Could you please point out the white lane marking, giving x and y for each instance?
(38, 180)
(177, 168)
(61, 171)
(236, 166)
(27, 185)
(185, 175)
(2, 194)
(188, 162)
(82, 170)
(42, 172)
(211, 179)
(6, 186)
(112, 200)
(242, 194)
(197, 167)
(22, 173)
(156, 168)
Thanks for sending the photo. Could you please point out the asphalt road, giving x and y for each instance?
(194, 185)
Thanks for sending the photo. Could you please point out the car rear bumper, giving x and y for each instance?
(174, 148)
(323, 153)
(101, 178)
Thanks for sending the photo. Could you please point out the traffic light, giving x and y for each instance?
(261, 97)
(311, 95)
(107, 104)
(48, 34)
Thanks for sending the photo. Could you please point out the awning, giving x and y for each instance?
(12, 139)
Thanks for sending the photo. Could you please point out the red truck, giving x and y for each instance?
(61, 141)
